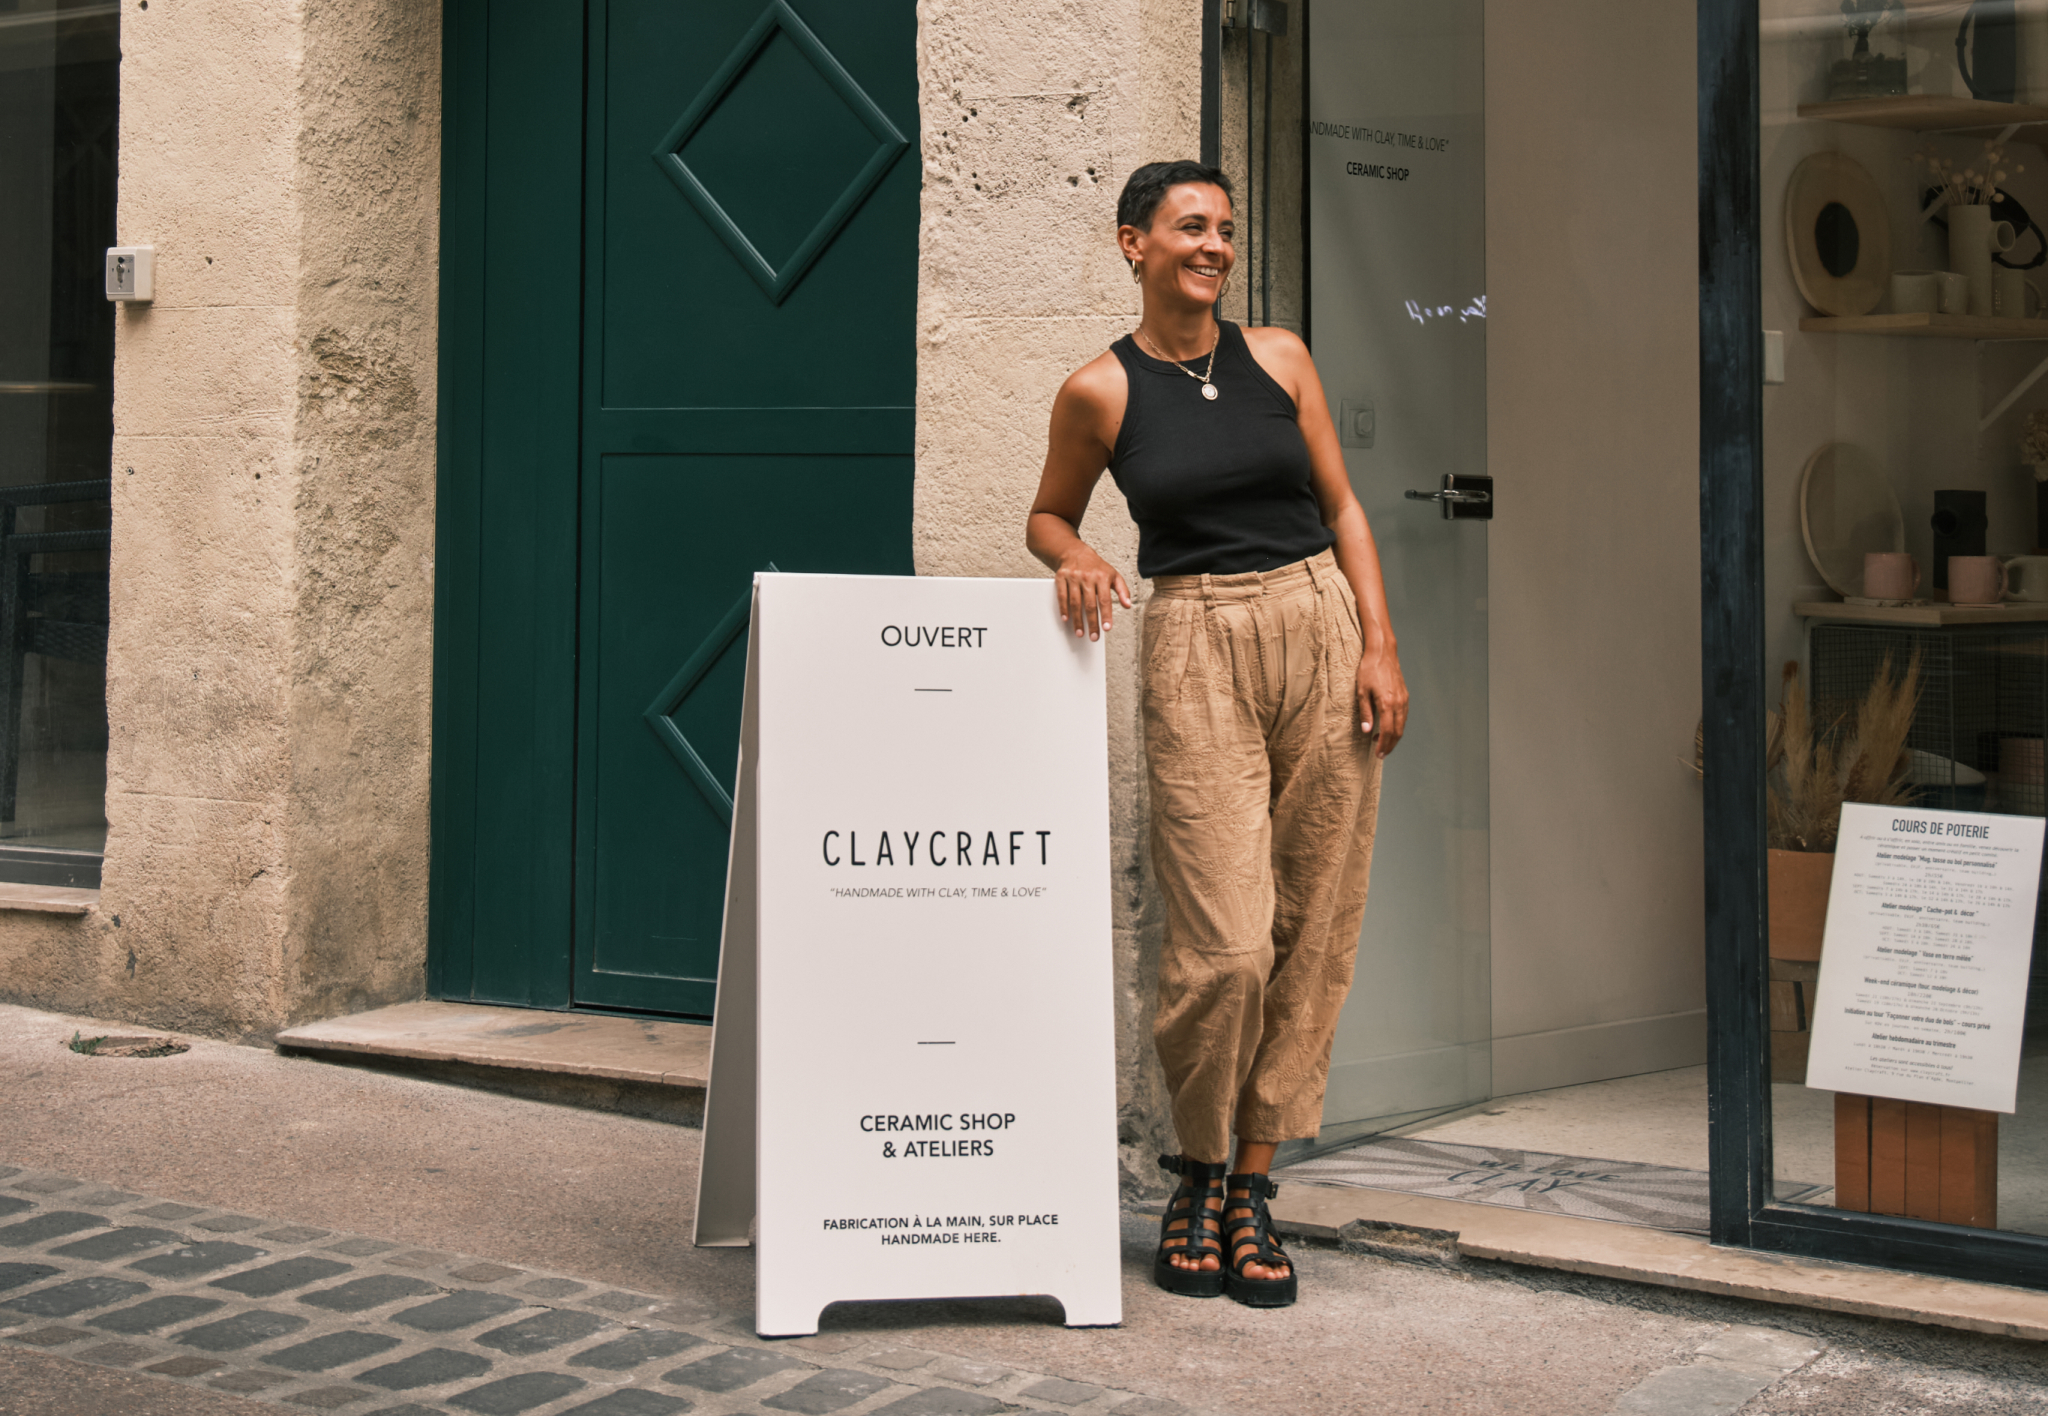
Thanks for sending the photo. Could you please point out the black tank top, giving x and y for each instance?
(1217, 488)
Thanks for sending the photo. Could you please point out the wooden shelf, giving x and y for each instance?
(1927, 113)
(1932, 614)
(1927, 326)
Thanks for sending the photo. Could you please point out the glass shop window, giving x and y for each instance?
(1905, 196)
(59, 83)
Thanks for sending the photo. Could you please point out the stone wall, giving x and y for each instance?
(1033, 114)
(268, 678)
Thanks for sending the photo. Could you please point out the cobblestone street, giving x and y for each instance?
(326, 1321)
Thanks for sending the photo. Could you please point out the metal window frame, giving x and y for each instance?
(1733, 693)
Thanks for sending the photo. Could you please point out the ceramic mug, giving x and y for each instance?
(1975, 580)
(2026, 578)
(1916, 292)
(2010, 290)
(1890, 575)
(1955, 292)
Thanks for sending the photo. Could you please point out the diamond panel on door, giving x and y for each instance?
(759, 196)
(665, 715)
(670, 652)
(771, 108)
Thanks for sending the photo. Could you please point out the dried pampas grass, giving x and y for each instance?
(1812, 772)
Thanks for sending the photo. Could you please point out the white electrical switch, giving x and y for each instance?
(131, 273)
(1356, 422)
(1774, 356)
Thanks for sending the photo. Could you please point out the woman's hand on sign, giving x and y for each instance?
(1085, 419)
(1089, 590)
(1382, 697)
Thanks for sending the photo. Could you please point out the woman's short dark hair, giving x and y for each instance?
(1148, 186)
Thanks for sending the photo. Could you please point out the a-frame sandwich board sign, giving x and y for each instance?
(913, 1089)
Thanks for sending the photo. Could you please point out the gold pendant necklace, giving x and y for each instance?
(1208, 385)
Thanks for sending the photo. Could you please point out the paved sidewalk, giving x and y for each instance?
(495, 1205)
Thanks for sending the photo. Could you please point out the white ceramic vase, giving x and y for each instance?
(1969, 252)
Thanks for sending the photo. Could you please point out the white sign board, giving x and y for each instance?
(1923, 974)
(913, 1079)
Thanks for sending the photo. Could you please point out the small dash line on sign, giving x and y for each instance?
(936, 1044)
(931, 690)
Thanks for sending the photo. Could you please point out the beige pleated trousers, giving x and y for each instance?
(1264, 793)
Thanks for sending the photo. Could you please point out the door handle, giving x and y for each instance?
(1456, 498)
(1463, 497)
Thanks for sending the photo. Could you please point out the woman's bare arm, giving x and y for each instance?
(1085, 417)
(1381, 686)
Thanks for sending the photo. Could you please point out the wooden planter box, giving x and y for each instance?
(1799, 903)
(1912, 1159)
(1791, 987)
(1799, 882)
(1891, 1157)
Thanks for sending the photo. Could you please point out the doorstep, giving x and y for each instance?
(648, 1050)
(1657, 1256)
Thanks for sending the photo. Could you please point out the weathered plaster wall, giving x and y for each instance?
(361, 668)
(273, 516)
(1033, 114)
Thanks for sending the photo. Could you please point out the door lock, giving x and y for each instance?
(1463, 498)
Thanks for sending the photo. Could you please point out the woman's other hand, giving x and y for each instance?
(1090, 589)
(1382, 697)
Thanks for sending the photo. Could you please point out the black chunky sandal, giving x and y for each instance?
(1248, 1234)
(1197, 1202)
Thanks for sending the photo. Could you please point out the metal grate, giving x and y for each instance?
(1983, 709)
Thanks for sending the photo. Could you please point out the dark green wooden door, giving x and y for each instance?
(735, 382)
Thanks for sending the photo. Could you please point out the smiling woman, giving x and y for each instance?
(1270, 670)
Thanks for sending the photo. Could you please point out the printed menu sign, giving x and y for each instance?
(913, 1072)
(1923, 973)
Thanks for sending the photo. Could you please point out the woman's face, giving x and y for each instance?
(1187, 252)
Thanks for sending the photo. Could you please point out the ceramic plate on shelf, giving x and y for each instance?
(1846, 508)
(1838, 234)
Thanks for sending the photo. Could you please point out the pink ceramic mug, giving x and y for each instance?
(1890, 575)
(1975, 580)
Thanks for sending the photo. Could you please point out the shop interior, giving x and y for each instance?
(1512, 1038)
(1933, 121)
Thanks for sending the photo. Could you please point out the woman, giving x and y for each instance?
(1269, 668)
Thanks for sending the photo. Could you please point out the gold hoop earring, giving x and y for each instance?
(1137, 273)
(1223, 290)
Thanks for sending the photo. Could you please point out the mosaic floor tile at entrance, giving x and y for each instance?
(317, 1320)
(1622, 1191)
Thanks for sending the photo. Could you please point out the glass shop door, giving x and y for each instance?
(1396, 318)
